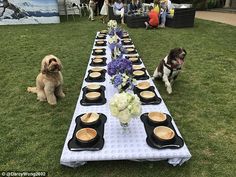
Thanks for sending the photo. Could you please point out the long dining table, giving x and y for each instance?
(119, 144)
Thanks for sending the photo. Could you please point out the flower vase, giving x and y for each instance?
(125, 128)
(124, 125)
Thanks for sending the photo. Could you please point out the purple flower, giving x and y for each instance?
(112, 46)
(119, 32)
(120, 65)
(117, 80)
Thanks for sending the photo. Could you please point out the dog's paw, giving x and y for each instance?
(169, 90)
(53, 103)
(61, 95)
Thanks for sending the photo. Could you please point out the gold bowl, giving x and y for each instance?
(101, 35)
(126, 41)
(90, 118)
(163, 133)
(92, 87)
(156, 117)
(97, 60)
(86, 135)
(133, 59)
(103, 31)
(98, 50)
(100, 42)
(125, 35)
(96, 69)
(138, 73)
(130, 49)
(93, 96)
(143, 85)
(137, 67)
(95, 75)
(147, 95)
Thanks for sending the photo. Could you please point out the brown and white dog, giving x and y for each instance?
(49, 81)
(169, 67)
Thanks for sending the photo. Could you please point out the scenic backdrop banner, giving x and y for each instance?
(28, 12)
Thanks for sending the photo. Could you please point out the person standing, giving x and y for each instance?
(118, 8)
(104, 11)
(166, 6)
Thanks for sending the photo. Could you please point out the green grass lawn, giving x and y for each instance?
(203, 102)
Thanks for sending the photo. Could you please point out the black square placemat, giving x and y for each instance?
(74, 145)
(175, 144)
(101, 101)
(155, 100)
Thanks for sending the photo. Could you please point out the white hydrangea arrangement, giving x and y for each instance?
(112, 24)
(125, 106)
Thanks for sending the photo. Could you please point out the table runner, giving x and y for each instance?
(119, 144)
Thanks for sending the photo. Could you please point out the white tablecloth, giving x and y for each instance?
(120, 144)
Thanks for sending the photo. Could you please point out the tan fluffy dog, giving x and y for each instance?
(49, 81)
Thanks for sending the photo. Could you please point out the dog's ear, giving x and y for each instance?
(172, 54)
(44, 65)
(59, 63)
(184, 51)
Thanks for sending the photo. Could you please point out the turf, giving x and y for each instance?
(203, 100)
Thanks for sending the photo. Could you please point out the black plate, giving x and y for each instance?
(101, 37)
(155, 100)
(102, 100)
(143, 77)
(138, 62)
(176, 143)
(99, 54)
(102, 78)
(74, 145)
(99, 64)
(104, 43)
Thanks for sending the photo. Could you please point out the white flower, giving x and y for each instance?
(125, 106)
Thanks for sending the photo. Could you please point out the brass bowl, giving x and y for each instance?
(133, 59)
(98, 50)
(96, 69)
(95, 75)
(147, 95)
(137, 67)
(92, 96)
(163, 133)
(86, 135)
(97, 60)
(130, 49)
(93, 87)
(138, 73)
(143, 85)
(103, 31)
(90, 118)
(100, 42)
(101, 35)
(125, 35)
(126, 41)
(156, 117)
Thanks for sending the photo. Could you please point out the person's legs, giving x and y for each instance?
(91, 13)
(121, 13)
(163, 19)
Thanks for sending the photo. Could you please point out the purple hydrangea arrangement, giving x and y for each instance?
(120, 65)
(120, 71)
